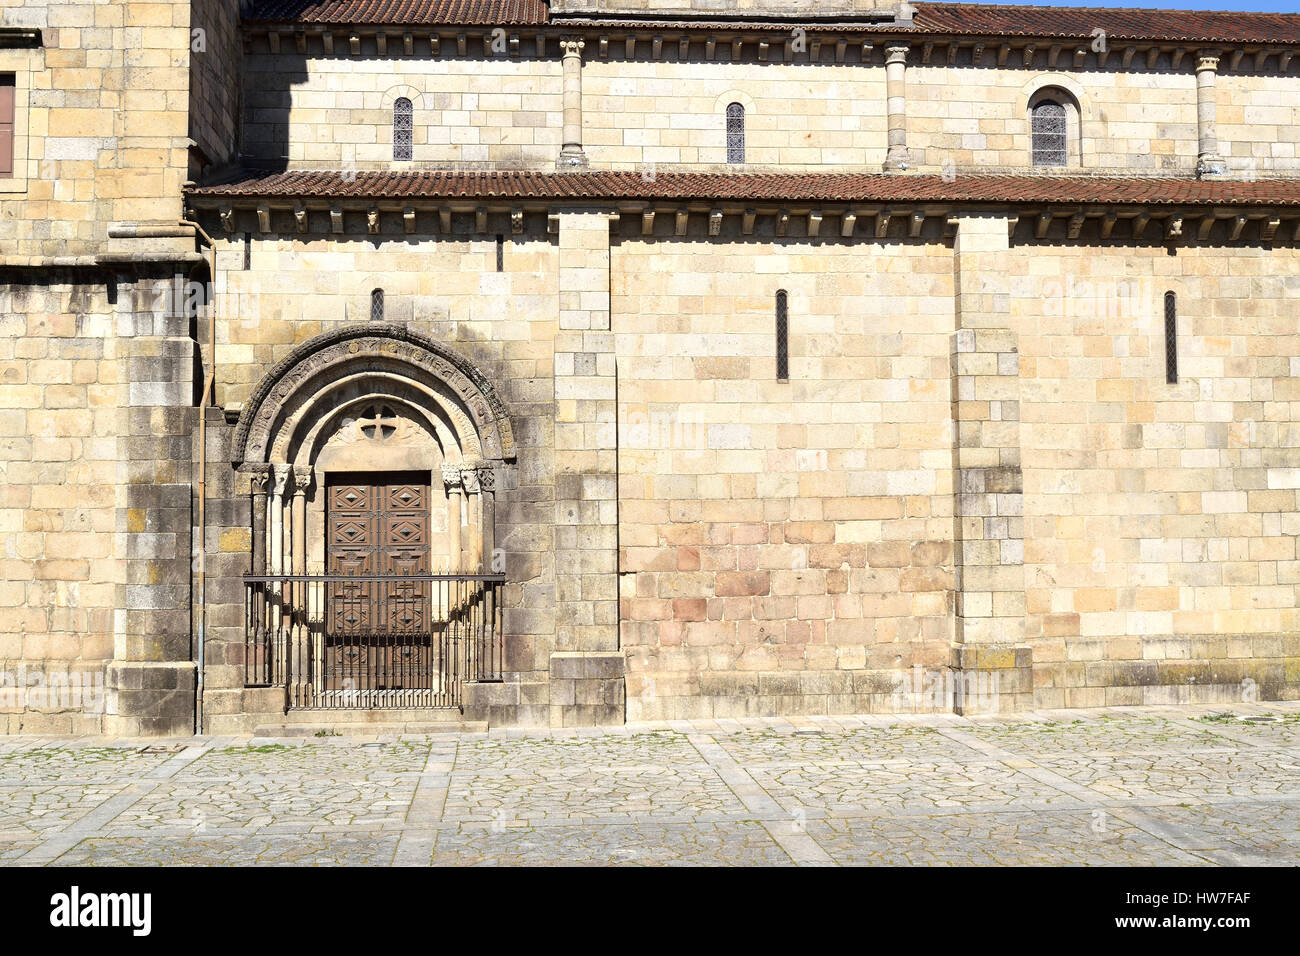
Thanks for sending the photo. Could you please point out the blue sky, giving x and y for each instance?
(1254, 6)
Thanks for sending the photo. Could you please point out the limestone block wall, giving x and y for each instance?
(95, 484)
(61, 391)
(506, 110)
(1134, 120)
(796, 115)
(1259, 123)
(784, 547)
(216, 50)
(102, 122)
(1160, 519)
(338, 110)
(295, 287)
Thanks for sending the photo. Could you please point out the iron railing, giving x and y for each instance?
(367, 641)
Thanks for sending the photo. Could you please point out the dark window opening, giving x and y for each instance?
(8, 110)
(1171, 338)
(501, 253)
(782, 337)
(403, 129)
(1049, 127)
(377, 305)
(735, 133)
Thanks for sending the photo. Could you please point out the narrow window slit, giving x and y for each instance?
(377, 305)
(1171, 338)
(782, 337)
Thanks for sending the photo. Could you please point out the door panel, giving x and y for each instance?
(379, 631)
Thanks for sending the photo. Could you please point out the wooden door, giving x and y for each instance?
(378, 633)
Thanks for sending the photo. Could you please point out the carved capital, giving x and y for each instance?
(302, 479)
(571, 46)
(470, 476)
(896, 53)
(1207, 60)
(451, 476)
(259, 476)
(280, 479)
(487, 477)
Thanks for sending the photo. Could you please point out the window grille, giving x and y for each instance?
(1171, 338)
(377, 305)
(735, 133)
(1050, 133)
(782, 337)
(403, 129)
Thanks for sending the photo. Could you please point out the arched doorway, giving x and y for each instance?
(374, 454)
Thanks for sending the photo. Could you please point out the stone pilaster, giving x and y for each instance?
(153, 674)
(990, 654)
(571, 154)
(1208, 160)
(587, 668)
(898, 159)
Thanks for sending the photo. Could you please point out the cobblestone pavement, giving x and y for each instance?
(1163, 786)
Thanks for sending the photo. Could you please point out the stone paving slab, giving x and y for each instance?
(1132, 786)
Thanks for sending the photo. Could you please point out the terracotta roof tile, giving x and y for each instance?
(755, 187)
(405, 12)
(1119, 24)
(965, 19)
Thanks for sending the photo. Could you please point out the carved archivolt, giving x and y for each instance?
(378, 349)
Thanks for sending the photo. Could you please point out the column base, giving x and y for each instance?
(151, 698)
(587, 688)
(1211, 167)
(571, 157)
(898, 160)
(992, 678)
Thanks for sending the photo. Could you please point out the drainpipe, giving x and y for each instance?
(208, 379)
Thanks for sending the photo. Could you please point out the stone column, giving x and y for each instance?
(298, 592)
(451, 481)
(898, 159)
(473, 499)
(1208, 160)
(571, 154)
(586, 677)
(258, 482)
(275, 518)
(257, 611)
(302, 478)
(276, 592)
(487, 484)
(991, 660)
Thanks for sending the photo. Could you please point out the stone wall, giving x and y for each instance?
(339, 110)
(504, 108)
(215, 106)
(94, 396)
(1160, 520)
(785, 547)
(103, 123)
(446, 285)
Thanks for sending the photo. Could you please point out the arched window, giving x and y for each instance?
(403, 129)
(735, 133)
(377, 305)
(1050, 131)
(782, 336)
